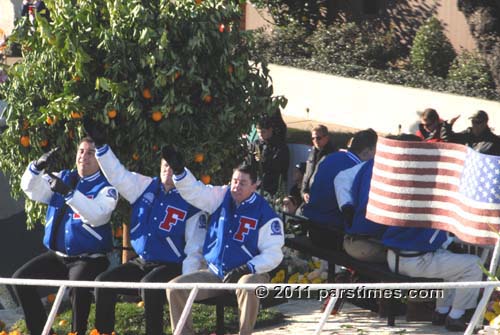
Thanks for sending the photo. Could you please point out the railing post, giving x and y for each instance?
(186, 311)
(327, 312)
(53, 311)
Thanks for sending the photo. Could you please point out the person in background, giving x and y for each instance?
(298, 176)
(166, 233)
(478, 136)
(429, 129)
(322, 209)
(77, 232)
(30, 7)
(271, 154)
(244, 239)
(322, 146)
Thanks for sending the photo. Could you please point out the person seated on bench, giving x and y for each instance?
(243, 242)
(362, 238)
(322, 208)
(422, 252)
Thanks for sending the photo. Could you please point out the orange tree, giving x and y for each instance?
(155, 72)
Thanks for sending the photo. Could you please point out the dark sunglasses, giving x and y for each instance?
(317, 138)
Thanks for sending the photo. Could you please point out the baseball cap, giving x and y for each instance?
(480, 116)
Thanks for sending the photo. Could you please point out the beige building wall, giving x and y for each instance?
(256, 18)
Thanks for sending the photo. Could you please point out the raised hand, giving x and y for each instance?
(96, 131)
(174, 158)
(46, 159)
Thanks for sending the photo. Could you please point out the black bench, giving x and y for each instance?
(229, 300)
(378, 272)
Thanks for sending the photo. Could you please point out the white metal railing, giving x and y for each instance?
(195, 287)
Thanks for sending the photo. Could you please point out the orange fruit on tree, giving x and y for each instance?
(112, 113)
(25, 141)
(140, 304)
(76, 78)
(199, 157)
(205, 179)
(51, 120)
(135, 156)
(156, 116)
(146, 93)
(221, 27)
(51, 297)
(198, 1)
(26, 124)
(177, 75)
(63, 323)
(207, 99)
(44, 143)
(71, 134)
(76, 115)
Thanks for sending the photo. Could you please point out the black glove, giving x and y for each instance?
(58, 186)
(96, 131)
(348, 214)
(235, 274)
(46, 159)
(174, 159)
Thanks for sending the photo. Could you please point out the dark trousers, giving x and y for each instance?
(51, 266)
(136, 270)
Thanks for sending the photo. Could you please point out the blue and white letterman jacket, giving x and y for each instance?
(352, 187)
(85, 228)
(163, 227)
(322, 207)
(250, 233)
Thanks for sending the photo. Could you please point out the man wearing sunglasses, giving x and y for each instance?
(478, 136)
(322, 146)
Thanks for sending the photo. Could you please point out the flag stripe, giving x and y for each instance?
(436, 185)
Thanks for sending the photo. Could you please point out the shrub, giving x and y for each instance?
(350, 43)
(471, 70)
(431, 51)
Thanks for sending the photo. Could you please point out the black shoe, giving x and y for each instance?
(438, 319)
(456, 325)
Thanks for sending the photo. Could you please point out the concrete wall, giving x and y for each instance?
(361, 104)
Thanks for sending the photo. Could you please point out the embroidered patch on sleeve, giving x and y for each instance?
(112, 193)
(275, 228)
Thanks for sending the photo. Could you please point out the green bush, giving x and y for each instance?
(431, 51)
(350, 43)
(305, 13)
(471, 70)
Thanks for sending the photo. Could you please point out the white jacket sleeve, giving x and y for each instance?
(270, 246)
(129, 184)
(36, 185)
(205, 197)
(343, 185)
(97, 211)
(196, 229)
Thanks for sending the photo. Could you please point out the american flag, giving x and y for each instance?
(440, 185)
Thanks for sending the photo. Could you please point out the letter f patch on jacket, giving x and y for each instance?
(172, 216)
(244, 228)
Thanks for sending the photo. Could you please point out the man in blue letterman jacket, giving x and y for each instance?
(322, 208)
(77, 232)
(352, 187)
(166, 232)
(243, 242)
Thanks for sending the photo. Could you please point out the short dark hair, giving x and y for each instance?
(248, 169)
(264, 123)
(321, 129)
(430, 114)
(87, 139)
(362, 140)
